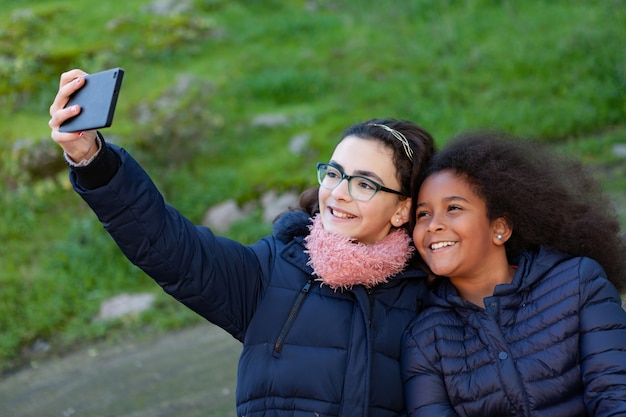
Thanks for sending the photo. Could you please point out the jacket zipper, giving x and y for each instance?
(370, 296)
(278, 346)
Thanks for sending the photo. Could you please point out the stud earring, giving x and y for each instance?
(499, 236)
(397, 219)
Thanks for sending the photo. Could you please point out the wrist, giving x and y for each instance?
(86, 158)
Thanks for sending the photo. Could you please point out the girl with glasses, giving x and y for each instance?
(321, 304)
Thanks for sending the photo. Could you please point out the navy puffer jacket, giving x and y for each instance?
(308, 350)
(552, 344)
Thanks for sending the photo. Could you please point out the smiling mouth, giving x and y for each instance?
(341, 215)
(440, 245)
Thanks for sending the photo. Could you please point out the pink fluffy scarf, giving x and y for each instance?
(341, 262)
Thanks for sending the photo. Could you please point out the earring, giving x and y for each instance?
(499, 236)
(397, 219)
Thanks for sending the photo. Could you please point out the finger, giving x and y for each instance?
(55, 123)
(69, 76)
(70, 82)
(61, 115)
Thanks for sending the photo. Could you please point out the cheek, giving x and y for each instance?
(418, 233)
(322, 195)
(376, 213)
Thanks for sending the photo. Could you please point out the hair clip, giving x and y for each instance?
(405, 143)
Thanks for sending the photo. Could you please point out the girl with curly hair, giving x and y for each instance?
(527, 266)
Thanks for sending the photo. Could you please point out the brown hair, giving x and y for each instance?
(408, 166)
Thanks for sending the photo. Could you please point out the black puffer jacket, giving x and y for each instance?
(552, 344)
(308, 350)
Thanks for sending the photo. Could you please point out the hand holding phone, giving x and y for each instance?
(97, 100)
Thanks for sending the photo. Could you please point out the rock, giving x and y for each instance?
(168, 7)
(274, 204)
(619, 149)
(125, 304)
(221, 217)
(39, 159)
(299, 143)
(270, 120)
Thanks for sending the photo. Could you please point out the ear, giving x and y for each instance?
(502, 231)
(401, 216)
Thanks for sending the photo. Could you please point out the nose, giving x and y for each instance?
(342, 190)
(436, 223)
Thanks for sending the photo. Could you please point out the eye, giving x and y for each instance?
(454, 207)
(421, 214)
(332, 173)
(366, 185)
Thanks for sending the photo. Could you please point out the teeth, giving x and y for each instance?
(342, 215)
(440, 245)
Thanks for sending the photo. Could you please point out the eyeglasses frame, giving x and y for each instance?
(378, 187)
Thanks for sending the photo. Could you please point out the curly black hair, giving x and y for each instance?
(548, 199)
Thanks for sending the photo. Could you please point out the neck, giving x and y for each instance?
(476, 289)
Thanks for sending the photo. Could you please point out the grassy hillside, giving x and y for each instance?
(200, 72)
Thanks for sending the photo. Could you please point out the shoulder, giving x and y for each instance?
(574, 275)
(433, 324)
(562, 264)
(291, 224)
(595, 285)
(538, 267)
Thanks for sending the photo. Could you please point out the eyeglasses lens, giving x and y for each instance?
(360, 188)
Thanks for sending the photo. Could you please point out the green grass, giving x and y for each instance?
(553, 71)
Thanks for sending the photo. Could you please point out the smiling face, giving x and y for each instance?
(367, 222)
(453, 233)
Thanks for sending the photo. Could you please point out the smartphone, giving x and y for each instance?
(97, 100)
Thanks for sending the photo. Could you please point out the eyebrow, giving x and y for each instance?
(362, 173)
(446, 199)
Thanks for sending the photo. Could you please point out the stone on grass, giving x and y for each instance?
(124, 304)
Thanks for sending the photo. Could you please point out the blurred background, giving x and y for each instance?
(234, 101)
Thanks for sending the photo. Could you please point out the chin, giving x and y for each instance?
(442, 272)
(337, 230)
(331, 227)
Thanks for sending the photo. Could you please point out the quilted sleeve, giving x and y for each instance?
(219, 279)
(424, 387)
(602, 343)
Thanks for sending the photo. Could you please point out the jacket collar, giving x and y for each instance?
(532, 266)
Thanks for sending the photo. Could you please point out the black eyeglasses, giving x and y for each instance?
(330, 176)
